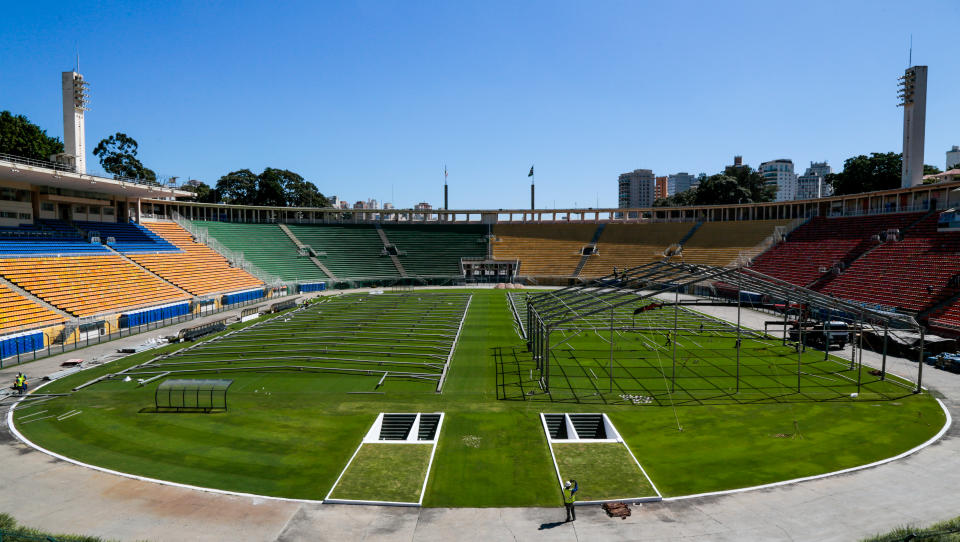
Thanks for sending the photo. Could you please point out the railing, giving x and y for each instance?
(46, 164)
(202, 235)
(108, 332)
(916, 208)
(37, 163)
(746, 257)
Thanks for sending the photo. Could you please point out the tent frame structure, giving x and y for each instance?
(556, 310)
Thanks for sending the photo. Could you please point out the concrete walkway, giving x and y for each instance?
(921, 488)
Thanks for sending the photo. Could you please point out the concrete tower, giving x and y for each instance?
(74, 132)
(913, 96)
(953, 158)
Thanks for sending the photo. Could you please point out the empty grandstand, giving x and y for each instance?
(553, 250)
(813, 249)
(19, 313)
(267, 247)
(198, 269)
(349, 251)
(630, 245)
(89, 285)
(428, 250)
(722, 243)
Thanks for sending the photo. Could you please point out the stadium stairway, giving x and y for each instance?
(630, 245)
(822, 243)
(553, 250)
(393, 257)
(267, 247)
(911, 274)
(823, 281)
(302, 246)
(20, 310)
(146, 270)
(89, 285)
(197, 268)
(593, 246)
(722, 243)
(435, 250)
(351, 251)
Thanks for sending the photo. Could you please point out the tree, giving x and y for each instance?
(930, 170)
(238, 187)
(753, 182)
(273, 187)
(202, 192)
(20, 137)
(879, 171)
(734, 185)
(118, 156)
(301, 193)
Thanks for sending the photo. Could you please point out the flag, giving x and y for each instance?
(531, 172)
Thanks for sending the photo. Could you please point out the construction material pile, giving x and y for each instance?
(616, 509)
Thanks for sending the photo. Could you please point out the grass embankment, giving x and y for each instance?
(945, 531)
(603, 471)
(11, 531)
(291, 434)
(385, 472)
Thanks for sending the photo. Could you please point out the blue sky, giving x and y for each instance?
(370, 99)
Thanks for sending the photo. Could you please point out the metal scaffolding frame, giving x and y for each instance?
(583, 306)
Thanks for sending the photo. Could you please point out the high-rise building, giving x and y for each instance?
(779, 173)
(660, 190)
(636, 188)
(812, 184)
(75, 100)
(913, 96)
(953, 158)
(680, 182)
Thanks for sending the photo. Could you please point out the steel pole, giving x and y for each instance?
(920, 365)
(883, 366)
(739, 308)
(676, 308)
(611, 350)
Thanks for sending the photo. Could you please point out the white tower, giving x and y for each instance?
(913, 96)
(953, 158)
(74, 133)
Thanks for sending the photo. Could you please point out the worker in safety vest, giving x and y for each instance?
(20, 383)
(570, 497)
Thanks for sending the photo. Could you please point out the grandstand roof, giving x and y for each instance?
(45, 176)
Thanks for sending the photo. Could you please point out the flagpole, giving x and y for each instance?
(533, 182)
(445, 206)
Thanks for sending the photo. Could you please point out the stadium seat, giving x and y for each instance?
(721, 243)
(352, 251)
(629, 245)
(197, 269)
(265, 246)
(544, 250)
(89, 285)
(430, 250)
(17, 313)
(813, 248)
(910, 274)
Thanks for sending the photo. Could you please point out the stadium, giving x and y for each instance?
(218, 371)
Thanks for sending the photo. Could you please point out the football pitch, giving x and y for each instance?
(308, 384)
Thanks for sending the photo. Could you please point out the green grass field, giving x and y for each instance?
(295, 418)
(603, 471)
(385, 472)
